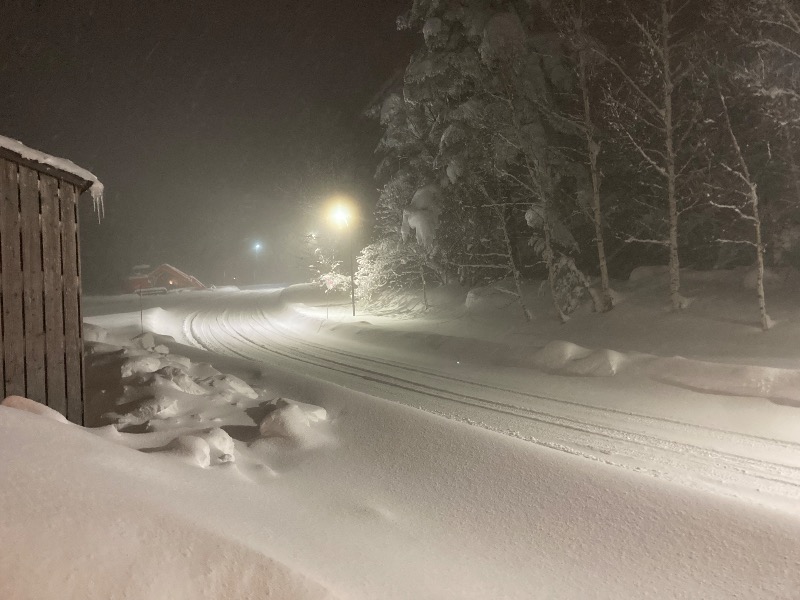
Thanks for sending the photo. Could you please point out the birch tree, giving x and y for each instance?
(743, 202)
(767, 67)
(657, 110)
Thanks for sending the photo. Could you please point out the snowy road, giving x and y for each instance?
(575, 415)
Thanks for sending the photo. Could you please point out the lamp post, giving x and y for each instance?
(341, 216)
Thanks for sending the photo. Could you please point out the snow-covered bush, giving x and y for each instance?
(326, 273)
(387, 265)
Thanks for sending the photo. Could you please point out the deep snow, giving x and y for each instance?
(236, 477)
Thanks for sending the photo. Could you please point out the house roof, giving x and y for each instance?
(61, 168)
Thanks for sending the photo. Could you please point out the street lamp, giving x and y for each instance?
(342, 215)
(256, 251)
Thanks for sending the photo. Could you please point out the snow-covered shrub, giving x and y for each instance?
(391, 264)
(553, 241)
(326, 273)
(569, 284)
(385, 265)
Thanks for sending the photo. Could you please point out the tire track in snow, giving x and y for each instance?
(250, 332)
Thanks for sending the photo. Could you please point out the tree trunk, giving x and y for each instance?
(593, 149)
(766, 322)
(512, 263)
(676, 300)
(549, 258)
(424, 286)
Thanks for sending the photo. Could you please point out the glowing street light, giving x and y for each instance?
(257, 247)
(341, 215)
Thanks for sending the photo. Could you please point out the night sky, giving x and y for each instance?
(199, 117)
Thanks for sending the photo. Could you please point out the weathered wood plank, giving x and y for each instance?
(80, 303)
(33, 277)
(13, 323)
(3, 186)
(53, 295)
(72, 324)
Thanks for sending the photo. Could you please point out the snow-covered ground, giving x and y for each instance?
(272, 446)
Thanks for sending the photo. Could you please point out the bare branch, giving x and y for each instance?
(633, 240)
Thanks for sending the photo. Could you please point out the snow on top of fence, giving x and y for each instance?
(62, 164)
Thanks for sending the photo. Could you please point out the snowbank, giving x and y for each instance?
(86, 518)
(778, 385)
(566, 358)
(33, 407)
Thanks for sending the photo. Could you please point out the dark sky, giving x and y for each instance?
(196, 115)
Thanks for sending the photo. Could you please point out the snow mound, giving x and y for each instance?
(229, 383)
(781, 386)
(220, 444)
(160, 407)
(140, 364)
(648, 273)
(94, 333)
(34, 407)
(177, 360)
(772, 278)
(191, 449)
(294, 421)
(497, 296)
(180, 380)
(566, 358)
(145, 341)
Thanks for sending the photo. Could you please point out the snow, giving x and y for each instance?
(87, 518)
(570, 359)
(295, 422)
(62, 164)
(277, 451)
(422, 215)
(407, 505)
(779, 385)
(35, 408)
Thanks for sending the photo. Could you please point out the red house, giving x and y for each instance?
(164, 276)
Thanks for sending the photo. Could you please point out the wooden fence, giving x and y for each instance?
(41, 347)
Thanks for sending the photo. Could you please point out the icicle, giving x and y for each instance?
(96, 191)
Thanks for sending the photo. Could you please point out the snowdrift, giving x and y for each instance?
(86, 518)
(781, 386)
(570, 359)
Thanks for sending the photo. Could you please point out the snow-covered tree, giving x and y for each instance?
(741, 199)
(326, 272)
(763, 59)
(475, 123)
